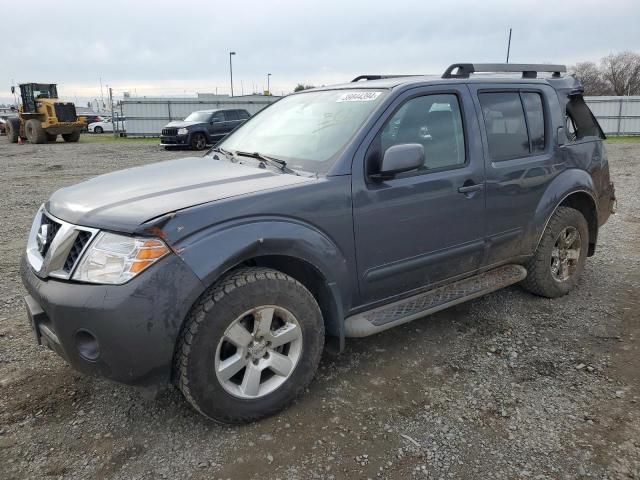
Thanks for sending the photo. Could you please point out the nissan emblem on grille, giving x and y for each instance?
(42, 238)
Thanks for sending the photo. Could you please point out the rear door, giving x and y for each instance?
(426, 226)
(518, 132)
(231, 120)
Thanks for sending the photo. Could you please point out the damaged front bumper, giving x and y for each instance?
(126, 333)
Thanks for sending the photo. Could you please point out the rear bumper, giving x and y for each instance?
(126, 333)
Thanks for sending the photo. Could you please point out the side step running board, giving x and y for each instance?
(388, 316)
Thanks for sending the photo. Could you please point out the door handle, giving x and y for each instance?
(466, 188)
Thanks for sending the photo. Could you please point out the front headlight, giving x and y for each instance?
(182, 131)
(116, 259)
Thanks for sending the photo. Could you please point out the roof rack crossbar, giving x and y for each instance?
(378, 77)
(463, 70)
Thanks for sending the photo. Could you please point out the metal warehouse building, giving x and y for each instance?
(146, 116)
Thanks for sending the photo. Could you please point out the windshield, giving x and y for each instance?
(198, 117)
(306, 130)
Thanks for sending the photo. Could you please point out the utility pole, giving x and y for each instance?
(509, 46)
(101, 94)
(268, 84)
(111, 104)
(231, 70)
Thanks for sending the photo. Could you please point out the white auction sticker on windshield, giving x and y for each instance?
(358, 96)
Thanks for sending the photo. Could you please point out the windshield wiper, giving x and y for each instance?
(277, 162)
(221, 150)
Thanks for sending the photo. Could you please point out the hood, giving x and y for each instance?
(181, 124)
(125, 199)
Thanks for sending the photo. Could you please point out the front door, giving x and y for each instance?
(217, 126)
(425, 226)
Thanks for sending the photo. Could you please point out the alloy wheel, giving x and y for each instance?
(258, 352)
(566, 254)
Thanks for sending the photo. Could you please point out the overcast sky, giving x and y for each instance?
(181, 47)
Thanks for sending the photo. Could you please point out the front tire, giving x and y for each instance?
(249, 346)
(198, 141)
(34, 131)
(559, 261)
(98, 130)
(71, 137)
(13, 129)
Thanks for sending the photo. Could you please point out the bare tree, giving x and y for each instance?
(302, 86)
(622, 72)
(592, 79)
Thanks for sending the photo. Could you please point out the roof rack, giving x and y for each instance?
(528, 70)
(378, 77)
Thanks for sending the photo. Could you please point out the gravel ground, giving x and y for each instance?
(507, 386)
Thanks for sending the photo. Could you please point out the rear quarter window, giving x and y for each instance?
(580, 121)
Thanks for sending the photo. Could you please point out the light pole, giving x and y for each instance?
(268, 89)
(231, 70)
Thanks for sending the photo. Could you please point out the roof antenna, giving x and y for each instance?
(509, 45)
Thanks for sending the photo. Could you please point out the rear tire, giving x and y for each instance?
(71, 137)
(198, 141)
(51, 137)
(13, 129)
(34, 131)
(249, 346)
(559, 261)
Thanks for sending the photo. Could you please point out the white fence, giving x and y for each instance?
(146, 116)
(617, 115)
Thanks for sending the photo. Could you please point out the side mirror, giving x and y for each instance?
(400, 158)
(13, 89)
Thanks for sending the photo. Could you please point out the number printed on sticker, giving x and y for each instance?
(358, 96)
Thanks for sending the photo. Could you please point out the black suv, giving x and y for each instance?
(202, 128)
(335, 212)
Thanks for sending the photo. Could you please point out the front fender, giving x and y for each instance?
(568, 182)
(213, 251)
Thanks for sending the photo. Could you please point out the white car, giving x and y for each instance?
(107, 126)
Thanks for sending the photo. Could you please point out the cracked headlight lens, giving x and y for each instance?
(116, 259)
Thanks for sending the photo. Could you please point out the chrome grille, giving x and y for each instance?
(50, 233)
(170, 132)
(55, 246)
(81, 242)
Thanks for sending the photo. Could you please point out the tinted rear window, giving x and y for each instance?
(581, 122)
(231, 115)
(505, 125)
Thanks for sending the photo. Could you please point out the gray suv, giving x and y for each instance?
(335, 212)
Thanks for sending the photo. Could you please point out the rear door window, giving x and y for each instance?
(231, 115)
(243, 114)
(505, 125)
(514, 123)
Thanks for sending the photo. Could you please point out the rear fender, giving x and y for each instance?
(566, 183)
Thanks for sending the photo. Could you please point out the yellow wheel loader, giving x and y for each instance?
(42, 117)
